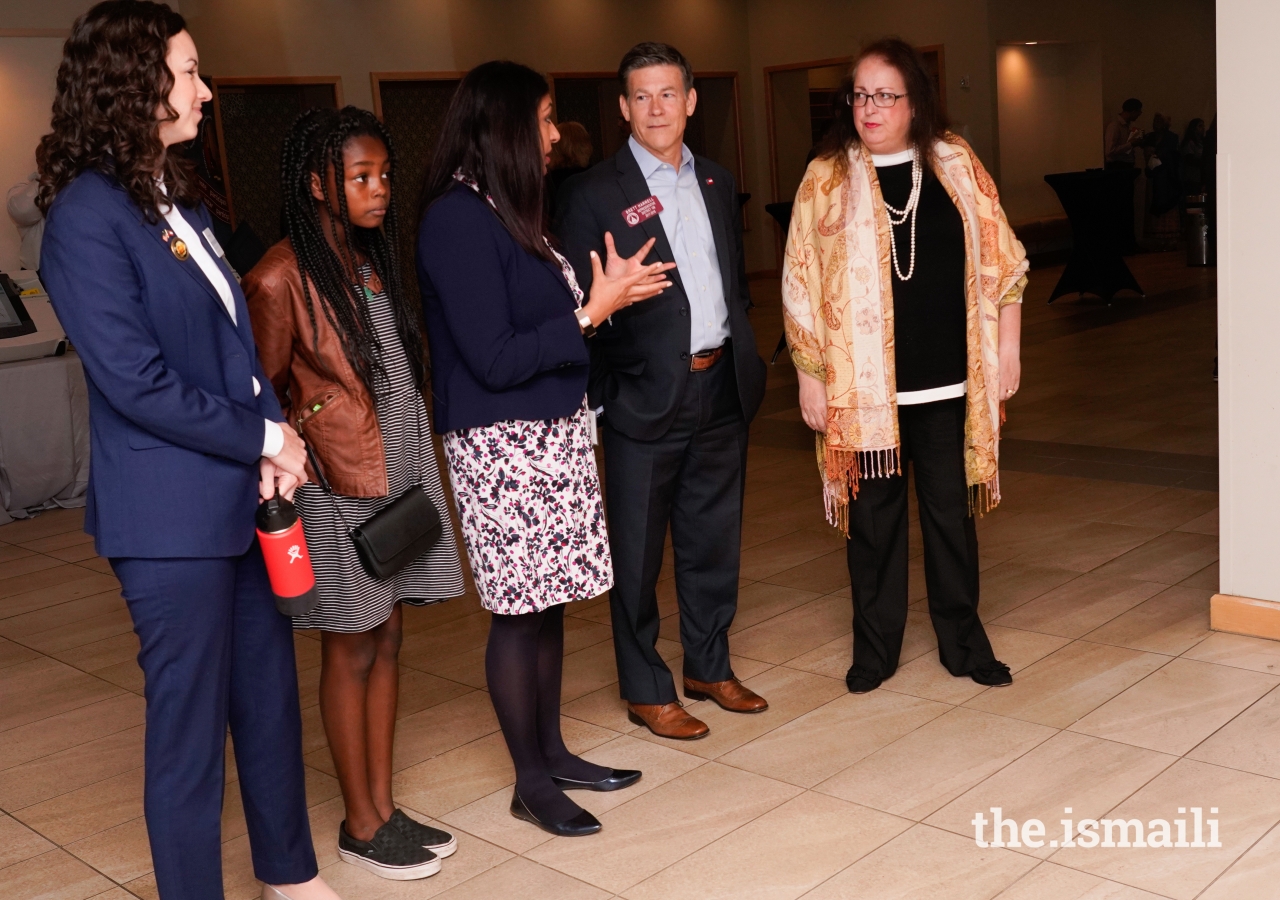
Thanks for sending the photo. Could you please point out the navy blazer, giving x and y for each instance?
(505, 343)
(176, 429)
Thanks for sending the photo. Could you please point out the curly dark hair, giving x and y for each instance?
(314, 146)
(112, 80)
(929, 121)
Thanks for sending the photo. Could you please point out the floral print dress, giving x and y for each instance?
(530, 505)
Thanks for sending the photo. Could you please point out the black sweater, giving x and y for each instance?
(928, 310)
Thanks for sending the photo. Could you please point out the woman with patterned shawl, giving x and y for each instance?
(901, 287)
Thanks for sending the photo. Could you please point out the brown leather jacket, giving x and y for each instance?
(321, 395)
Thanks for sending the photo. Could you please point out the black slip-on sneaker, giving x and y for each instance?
(389, 854)
(441, 843)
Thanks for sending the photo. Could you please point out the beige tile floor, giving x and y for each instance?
(1095, 592)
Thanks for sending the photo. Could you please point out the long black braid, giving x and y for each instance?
(314, 145)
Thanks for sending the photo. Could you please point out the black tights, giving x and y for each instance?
(523, 665)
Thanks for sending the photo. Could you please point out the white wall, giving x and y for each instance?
(1160, 51)
(1050, 102)
(27, 69)
(31, 37)
(1248, 305)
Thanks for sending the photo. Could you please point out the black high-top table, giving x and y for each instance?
(1099, 205)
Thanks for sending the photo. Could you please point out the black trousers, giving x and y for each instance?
(692, 477)
(933, 443)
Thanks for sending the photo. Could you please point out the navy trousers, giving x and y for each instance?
(692, 477)
(215, 653)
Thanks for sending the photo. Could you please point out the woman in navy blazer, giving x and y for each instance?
(186, 434)
(506, 322)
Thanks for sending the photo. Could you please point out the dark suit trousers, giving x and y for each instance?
(932, 437)
(215, 653)
(693, 477)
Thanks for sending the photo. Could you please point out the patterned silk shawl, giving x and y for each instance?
(837, 296)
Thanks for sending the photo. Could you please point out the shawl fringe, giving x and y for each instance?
(842, 472)
(984, 497)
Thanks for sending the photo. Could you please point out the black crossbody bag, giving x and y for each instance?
(394, 537)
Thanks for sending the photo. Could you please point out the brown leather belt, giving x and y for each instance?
(700, 362)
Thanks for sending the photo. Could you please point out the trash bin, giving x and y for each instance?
(1197, 238)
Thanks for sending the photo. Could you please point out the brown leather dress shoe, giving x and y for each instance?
(668, 720)
(732, 695)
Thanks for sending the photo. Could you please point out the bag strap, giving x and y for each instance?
(324, 486)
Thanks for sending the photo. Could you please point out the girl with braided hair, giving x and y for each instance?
(343, 347)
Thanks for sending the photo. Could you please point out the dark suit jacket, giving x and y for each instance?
(639, 363)
(505, 343)
(176, 430)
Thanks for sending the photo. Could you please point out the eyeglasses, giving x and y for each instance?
(883, 99)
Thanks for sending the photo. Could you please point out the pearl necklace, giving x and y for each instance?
(909, 211)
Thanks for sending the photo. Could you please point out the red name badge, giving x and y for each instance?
(645, 209)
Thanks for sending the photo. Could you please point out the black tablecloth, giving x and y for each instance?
(1099, 205)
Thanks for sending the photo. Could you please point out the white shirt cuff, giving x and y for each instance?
(273, 441)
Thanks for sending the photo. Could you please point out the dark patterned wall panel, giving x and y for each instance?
(413, 112)
(255, 120)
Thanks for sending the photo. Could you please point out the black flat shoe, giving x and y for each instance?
(861, 681)
(616, 781)
(993, 674)
(582, 824)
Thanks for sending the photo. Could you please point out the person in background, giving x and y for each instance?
(1121, 136)
(569, 156)
(185, 442)
(29, 219)
(1191, 158)
(1162, 167)
(901, 288)
(342, 344)
(679, 380)
(508, 328)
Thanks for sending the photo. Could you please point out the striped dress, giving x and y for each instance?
(350, 600)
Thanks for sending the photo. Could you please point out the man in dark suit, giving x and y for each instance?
(679, 379)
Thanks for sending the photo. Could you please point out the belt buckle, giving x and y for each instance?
(705, 359)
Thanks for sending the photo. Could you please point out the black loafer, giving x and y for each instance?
(582, 824)
(616, 781)
(993, 674)
(861, 681)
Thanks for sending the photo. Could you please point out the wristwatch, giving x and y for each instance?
(584, 322)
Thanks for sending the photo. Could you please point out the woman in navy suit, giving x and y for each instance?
(186, 433)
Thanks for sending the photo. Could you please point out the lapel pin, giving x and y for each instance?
(179, 248)
(711, 181)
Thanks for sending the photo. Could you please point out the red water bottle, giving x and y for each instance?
(284, 549)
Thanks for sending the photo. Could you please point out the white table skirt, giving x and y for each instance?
(44, 435)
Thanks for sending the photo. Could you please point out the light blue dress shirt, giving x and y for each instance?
(688, 228)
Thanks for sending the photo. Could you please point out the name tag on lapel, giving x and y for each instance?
(213, 243)
(644, 210)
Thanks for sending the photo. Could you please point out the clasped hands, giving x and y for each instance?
(285, 471)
